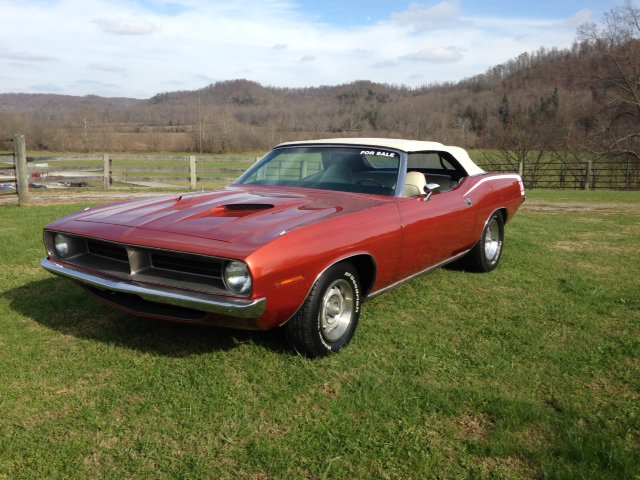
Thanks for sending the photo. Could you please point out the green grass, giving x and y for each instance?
(531, 371)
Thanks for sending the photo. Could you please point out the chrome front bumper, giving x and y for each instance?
(230, 307)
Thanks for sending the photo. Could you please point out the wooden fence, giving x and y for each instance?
(592, 174)
(19, 173)
(123, 170)
(14, 173)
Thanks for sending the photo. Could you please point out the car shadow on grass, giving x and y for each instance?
(63, 306)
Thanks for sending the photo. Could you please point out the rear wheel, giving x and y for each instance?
(327, 320)
(485, 255)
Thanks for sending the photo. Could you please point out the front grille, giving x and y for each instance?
(199, 266)
(108, 250)
(146, 265)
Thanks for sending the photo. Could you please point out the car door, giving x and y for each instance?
(435, 230)
(438, 227)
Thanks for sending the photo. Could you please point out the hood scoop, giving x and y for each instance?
(243, 207)
(235, 210)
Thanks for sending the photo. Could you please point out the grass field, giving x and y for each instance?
(531, 371)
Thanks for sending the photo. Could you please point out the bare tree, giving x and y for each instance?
(616, 120)
(527, 136)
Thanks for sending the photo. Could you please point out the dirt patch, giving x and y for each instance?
(568, 246)
(581, 207)
(474, 427)
(56, 198)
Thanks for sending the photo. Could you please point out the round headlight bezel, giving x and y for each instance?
(61, 245)
(237, 278)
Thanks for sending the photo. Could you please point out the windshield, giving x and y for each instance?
(346, 169)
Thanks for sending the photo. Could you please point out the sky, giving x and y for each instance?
(138, 48)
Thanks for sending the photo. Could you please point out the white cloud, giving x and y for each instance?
(421, 17)
(581, 17)
(204, 78)
(435, 55)
(120, 26)
(26, 56)
(385, 64)
(106, 67)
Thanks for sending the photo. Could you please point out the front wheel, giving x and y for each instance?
(328, 318)
(485, 255)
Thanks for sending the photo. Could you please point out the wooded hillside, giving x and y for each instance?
(571, 102)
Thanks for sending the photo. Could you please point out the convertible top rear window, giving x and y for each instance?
(433, 160)
(347, 169)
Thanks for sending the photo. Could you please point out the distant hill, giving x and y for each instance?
(551, 90)
(35, 103)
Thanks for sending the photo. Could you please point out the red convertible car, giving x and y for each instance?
(301, 239)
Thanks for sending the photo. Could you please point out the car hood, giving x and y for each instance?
(237, 211)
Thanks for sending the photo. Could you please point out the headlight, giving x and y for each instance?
(61, 245)
(237, 277)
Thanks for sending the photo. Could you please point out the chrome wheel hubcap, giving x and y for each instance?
(492, 240)
(336, 310)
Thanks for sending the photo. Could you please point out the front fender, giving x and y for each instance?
(286, 269)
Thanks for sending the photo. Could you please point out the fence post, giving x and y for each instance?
(22, 172)
(192, 171)
(587, 177)
(107, 179)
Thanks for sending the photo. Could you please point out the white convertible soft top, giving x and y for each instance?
(409, 146)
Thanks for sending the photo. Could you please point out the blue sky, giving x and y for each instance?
(356, 12)
(137, 48)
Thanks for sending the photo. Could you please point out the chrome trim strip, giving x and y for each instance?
(418, 274)
(231, 307)
(493, 177)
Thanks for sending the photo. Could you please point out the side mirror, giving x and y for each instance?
(428, 189)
